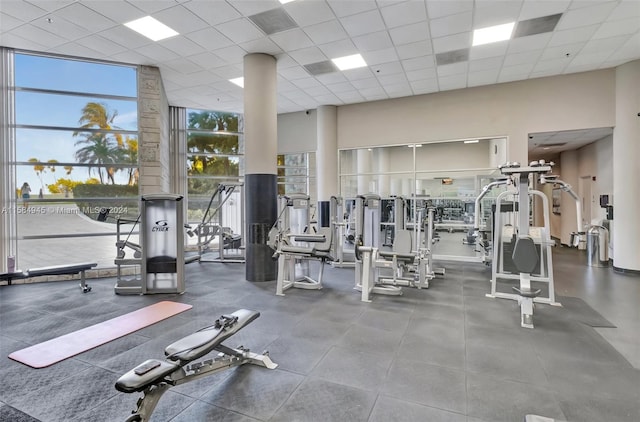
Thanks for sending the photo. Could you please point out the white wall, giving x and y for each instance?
(515, 109)
(297, 132)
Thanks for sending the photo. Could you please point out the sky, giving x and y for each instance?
(64, 110)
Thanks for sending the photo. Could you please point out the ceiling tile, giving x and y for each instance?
(373, 91)
(181, 45)
(317, 90)
(307, 13)
(350, 97)
(328, 99)
(585, 16)
(437, 9)
(101, 44)
(61, 27)
(345, 8)
(125, 36)
(340, 87)
(380, 56)
(331, 78)
(366, 83)
(626, 9)
(560, 52)
(553, 66)
(228, 72)
(284, 61)
(294, 39)
(183, 65)
(536, 8)
(618, 27)
(261, 45)
(293, 73)
(389, 68)
(357, 74)
(571, 36)
(489, 13)
(424, 62)
(484, 77)
(251, 7)
(209, 38)
(320, 68)
(511, 78)
(534, 42)
(308, 55)
(397, 78)
(207, 60)
(404, 13)
(452, 69)
(49, 5)
(604, 45)
(152, 6)
(308, 82)
(325, 32)
(485, 64)
(240, 30)
(450, 57)
(180, 19)
(452, 42)
(222, 12)
(424, 86)
(521, 69)
(489, 50)
(452, 24)
(22, 10)
(410, 33)
(421, 74)
(594, 59)
(374, 41)
(398, 90)
(522, 58)
(363, 23)
(9, 22)
(157, 52)
(232, 54)
(39, 36)
(125, 12)
(453, 82)
(273, 21)
(338, 48)
(85, 17)
(74, 49)
(416, 49)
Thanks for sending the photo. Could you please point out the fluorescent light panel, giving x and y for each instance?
(349, 62)
(151, 28)
(286, 1)
(493, 34)
(238, 81)
(472, 141)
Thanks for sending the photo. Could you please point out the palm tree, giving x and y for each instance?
(130, 156)
(39, 169)
(100, 148)
(98, 151)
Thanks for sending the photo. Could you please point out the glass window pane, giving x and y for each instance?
(206, 165)
(213, 143)
(35, 108)
(73, 75)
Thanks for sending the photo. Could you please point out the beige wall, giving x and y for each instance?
(515, 109)
(297, 132)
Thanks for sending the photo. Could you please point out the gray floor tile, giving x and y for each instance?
(322, 401)
(520, 363)
(430, 385)
(8, 413)
(201, 411)
(253, 391)
(598, 409)
(389, 409)
(355, 368)
(436, 329)
(498, 400)
(297, 354)
(371, 339)
(433, 351)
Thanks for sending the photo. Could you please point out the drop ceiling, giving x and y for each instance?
(549, 145)
(411, 47)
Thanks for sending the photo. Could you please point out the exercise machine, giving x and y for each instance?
(521, 251)
(225, 203)
(296, 243)
(160, 253)
(409, 260)
(483, 234)
(340, 214)
(154, 377)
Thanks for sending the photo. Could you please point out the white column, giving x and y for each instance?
(383, 167)
(327, 152)
(626, 169)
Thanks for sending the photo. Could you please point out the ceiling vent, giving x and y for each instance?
(320, 68)
(536, 25)
(273, 21)
(451, 57)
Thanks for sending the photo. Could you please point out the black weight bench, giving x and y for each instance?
(154, 376)
(53, 270)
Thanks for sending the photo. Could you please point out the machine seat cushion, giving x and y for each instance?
(525, 256)
(207, 339)
(133, 381)
(300, 250)
(524, 292)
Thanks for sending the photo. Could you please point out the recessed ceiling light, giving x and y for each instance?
(472, 141)
(349, 62)
(151, 28)
(493, 34)
(238, 81)
(286, 1)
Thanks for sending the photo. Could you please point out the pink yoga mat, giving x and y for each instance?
(63, 347)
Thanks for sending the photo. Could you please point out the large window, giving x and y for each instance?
(296, 174)
(75, 157)
(215, 155)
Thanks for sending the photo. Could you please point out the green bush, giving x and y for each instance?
(123, 199)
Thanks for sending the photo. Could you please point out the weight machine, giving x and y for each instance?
(340, 214)
(226, 199)
(409, 260)
(296, 243)
(520, 251)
